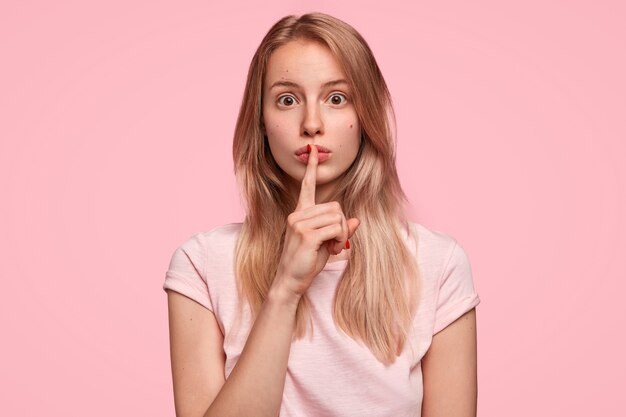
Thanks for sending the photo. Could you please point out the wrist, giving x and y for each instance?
(280, 293)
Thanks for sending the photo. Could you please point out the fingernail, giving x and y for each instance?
(308, 147)
(347, 244)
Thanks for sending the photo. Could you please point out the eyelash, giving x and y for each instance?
(334, 94)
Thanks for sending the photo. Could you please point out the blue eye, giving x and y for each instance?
(286, 96)
(340, 95)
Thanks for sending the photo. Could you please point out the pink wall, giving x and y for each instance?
(511, 138)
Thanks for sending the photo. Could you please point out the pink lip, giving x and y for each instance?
(321, 157)
(320, 149)
(302, 154)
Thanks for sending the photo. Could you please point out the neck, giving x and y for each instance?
(323, 192)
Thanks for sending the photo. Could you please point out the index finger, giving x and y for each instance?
(307, 189)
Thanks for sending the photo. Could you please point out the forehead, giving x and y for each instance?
(304, 62)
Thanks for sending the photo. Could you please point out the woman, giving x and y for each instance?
(326, 300)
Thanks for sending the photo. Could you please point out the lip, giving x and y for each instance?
(302, 154)
(321, 149)
(321, 157)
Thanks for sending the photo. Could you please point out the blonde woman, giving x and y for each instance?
(326, 300)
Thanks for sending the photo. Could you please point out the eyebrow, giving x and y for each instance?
(294, 85)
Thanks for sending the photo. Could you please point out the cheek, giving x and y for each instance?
(277, 134)
(278, 139)
(354, 132)
(347, 129)
(278, 126)
(273, 127)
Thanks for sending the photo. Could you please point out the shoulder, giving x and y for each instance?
(441, 258)
(223, 236)
(226, 231)
(432, 245)
(217, 243)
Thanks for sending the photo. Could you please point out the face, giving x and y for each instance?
(307, 109)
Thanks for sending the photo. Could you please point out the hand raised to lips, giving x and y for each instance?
(313, 233)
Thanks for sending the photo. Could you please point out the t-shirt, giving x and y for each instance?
(332, 374)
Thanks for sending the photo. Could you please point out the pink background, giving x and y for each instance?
(116, 124)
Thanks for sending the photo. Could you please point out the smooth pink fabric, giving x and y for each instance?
(333, 375)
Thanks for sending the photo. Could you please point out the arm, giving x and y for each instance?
(449, 371)
(255, 385)
(196, 353)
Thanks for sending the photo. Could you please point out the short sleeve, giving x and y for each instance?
(186, 272)
(456, 295)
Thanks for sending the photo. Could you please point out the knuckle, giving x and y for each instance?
(298, 228)
(336, 205)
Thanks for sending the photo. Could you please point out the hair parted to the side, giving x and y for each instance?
(376, 299)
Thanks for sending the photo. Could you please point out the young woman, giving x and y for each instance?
(326, 300)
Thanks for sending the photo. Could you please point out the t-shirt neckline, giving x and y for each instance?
(336, 265)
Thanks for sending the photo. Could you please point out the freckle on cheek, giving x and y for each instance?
(350, 126)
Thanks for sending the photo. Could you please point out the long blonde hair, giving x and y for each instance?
(376, 299)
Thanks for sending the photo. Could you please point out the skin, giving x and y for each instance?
(309, 114)
(315, 232)
(449, 371)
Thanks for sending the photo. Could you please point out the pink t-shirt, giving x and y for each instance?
(333, 375)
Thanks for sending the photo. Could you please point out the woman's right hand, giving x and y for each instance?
(314, 232)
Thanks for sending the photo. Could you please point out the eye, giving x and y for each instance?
(334, 101)
(289, 102)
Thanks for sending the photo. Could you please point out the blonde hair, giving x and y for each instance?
(376, 298)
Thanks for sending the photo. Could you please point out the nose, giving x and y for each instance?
(312, 123)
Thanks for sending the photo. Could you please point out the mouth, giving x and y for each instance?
(302, 154)
(303, 149)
